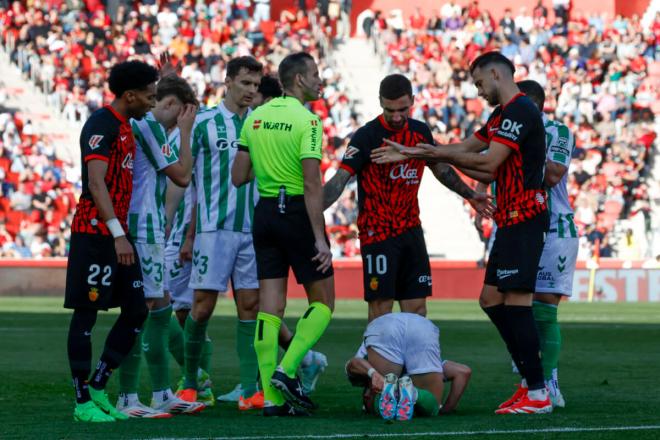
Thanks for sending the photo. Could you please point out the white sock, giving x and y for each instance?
(541, 394)
(523, 383)
(308, 359)
(162, 396)
(129, 399)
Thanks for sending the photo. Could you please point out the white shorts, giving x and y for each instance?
(221, 256)
(557, 265)
(177, 278)
(414, 344)
(152, 262)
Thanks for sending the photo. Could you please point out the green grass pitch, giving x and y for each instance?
(608, 372)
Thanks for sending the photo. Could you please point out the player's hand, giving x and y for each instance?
(185, 254)
(186, 118)
(479, 224)
(387, 154)
(482, 203)
(323, 257)
(125, 254)
(377, 382)
(421, 151)
(166, 66)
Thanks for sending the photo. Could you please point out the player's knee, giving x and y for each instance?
(135, 316)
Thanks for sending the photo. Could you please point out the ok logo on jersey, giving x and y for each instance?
(511, 126)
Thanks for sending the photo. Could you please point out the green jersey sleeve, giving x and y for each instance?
(311, 138)
(561, 148)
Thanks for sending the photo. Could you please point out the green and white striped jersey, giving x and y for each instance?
(181, 221)
(560, 144)
(154, 152)
(220, 205)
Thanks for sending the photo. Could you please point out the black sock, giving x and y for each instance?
(118, 344)
(79, 349)
(521, 320)
(498, 316)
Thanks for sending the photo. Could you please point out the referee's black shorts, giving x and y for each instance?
(285, 240)
(94, 278)
(514, 259)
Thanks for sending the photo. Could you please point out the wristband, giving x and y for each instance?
(115, 228)
(371, 372)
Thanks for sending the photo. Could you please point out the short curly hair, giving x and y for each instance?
(131, 75)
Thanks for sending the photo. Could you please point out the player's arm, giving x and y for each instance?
(459, 377)
(480, 201)
(313, 194)
(96, 171)
(334, 187)
(559, 156)
(173, 197)
(554, 172)
(186, 251)
(388, 153)
(241, 169)
(180, 172)
(360, 372)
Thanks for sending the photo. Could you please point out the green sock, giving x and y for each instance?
(156, 336)
(247, 357)
(207, 351)
(176, 340)
(129, 371)
(426, 404)
(549, 336)
(308, 331)
(195, 335)
(266, 347)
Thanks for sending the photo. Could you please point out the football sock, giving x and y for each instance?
(195, 336)
(498, 317)
(158, 397)
(266, 347)
(549, 336)
(247, 357)
(426, 404)
(129, 370)
(207, 351)
(155, 342)
(308, 331)
(521, 320)
(176, 340)
(118, 344)
(79, 349)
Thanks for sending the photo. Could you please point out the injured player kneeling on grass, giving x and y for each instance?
(401, 370)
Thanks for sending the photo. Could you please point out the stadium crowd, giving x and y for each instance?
(594, 69)
(595, 72)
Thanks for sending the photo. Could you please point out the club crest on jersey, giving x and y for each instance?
(95, 141)
(351, 151)
(167, 150)
(539, 198)
(93, 294)
(373, 284)
(127, 163)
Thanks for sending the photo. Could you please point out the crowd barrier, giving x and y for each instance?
(610, 281)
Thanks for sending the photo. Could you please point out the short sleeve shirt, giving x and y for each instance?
(279, 135)
(519, 180)
(387, 193)
(106, 136)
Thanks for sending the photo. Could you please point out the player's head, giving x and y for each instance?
(396, 99)
(269, 88)
(299, 76)
(134, 83)
(243, 79)
(489, 71)
(534, 91)
(172, 93)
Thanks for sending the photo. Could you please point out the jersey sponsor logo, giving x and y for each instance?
(224, 144)
(506, 273)
(351, 151)
(127, 163)
(167, 150)
(137, 284)
(403, 171)
(256, 124)
(513, 127)
(268, 125)
(95, 141)
(315, 135)
(93, 294)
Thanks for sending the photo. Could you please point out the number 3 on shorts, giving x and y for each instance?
(381, 264)
(203, 265)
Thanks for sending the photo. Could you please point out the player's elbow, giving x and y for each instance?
(237, 179)
(181, 180)
(552, 179)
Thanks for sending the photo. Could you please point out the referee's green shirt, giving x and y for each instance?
(278, 135)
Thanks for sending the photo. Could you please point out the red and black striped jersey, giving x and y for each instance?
(387, 193)
(106, 136)
(519, 180)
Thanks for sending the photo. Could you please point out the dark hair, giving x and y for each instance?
(248, 63)
(534, 91)
(177, 86)
(293, 65)
(491, 58)
(131, 75)
(270, 87)
(395, 86)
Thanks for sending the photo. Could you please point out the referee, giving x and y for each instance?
(281, 142)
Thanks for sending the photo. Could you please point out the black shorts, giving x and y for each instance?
(283, 241)
(94, 279)
(397, 268)
(514, 258)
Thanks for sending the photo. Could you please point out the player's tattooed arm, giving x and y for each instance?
(334, 187)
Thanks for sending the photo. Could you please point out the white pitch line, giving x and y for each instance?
(428, 434)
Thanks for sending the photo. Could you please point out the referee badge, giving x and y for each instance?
(373, 284)
(93, 294)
